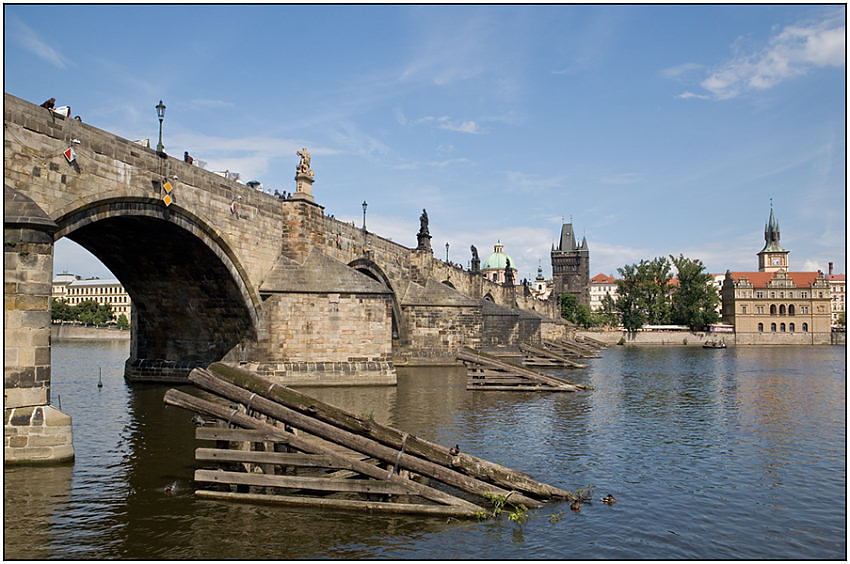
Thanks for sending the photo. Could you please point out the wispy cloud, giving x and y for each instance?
(32, 42)
(624, 178)
(444, 122)
(794, 52)
(679, 70)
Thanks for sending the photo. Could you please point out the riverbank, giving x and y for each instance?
(82, 333)
(681, 338)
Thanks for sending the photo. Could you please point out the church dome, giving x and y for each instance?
(497, 260)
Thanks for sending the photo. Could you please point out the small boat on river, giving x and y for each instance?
(710, 344)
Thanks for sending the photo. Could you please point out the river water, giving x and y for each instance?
(711, 454)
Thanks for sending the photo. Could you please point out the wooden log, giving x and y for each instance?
(497, 388)
(340, 504)
(208, 381)
(301, 482)
(304, 444)
(468, 355)
(387, 435)
(276, 458)
(530, 349)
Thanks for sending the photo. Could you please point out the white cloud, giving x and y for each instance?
(686, 95)
(460, 127)
(29, 40)
(624, 178)
(795, 51)
(679, 70)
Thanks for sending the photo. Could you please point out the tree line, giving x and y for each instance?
(88, 312)
(646, 295)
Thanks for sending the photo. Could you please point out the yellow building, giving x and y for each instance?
(107, 291)
(773, 305)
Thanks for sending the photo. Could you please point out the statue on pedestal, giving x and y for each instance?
(304, 166)
(475, 265)
(423, 238)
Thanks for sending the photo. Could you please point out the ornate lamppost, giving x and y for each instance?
(447, 252)
(160, 112)
(364, 214)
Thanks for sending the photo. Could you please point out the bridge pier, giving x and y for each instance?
(33, 430)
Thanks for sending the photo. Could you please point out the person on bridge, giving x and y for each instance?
(49, 104)
(187, 158)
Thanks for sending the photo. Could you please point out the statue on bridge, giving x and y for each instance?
(475, 265)
(304, 166)
(423, 238)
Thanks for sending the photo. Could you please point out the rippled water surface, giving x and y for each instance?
(711, 455)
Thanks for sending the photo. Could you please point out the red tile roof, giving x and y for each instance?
(603, 279)
(760, 279)
(836, 277)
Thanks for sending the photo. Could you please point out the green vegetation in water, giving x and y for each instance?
(555, 517)
(518, 515)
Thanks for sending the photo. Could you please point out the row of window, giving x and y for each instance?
(782, 328)
(781, 310)
(112, 302)
(95, 290)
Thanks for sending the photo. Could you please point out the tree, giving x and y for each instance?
(122, 322)
(61, 311)
(92, 313)
(644, 293)
(568, 306)
(694, 302)
(607, 315)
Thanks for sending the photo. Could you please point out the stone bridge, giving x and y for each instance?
(217, 270)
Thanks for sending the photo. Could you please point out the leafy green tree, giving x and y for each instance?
(568, 307)
(644, 293)
(842, 320)
(122, 322)
(607, 315)
(60, 310)
(694, 302)
(92, 313)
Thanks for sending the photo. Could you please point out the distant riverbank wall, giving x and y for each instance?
(82, 333)
(681, 338)
(687, 338)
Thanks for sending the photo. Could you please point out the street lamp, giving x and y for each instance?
(447, 251)
(364, 214)
(160, 112)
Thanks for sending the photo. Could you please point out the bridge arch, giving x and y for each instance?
(193, 302)
(371, 269)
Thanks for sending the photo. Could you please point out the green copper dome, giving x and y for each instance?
(497, 260)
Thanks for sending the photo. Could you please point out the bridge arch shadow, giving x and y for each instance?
(192, 300)
(374, 271)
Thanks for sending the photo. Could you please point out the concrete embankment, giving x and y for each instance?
(681, 338)
(81, 333)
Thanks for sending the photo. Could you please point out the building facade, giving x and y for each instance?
(106, 291)
(494, 266)
(600, 286)
(773, 305)
(571, 266)
(838, 298)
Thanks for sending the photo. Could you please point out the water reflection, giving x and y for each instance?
(711, 454)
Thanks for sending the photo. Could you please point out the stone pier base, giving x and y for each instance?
(366, 373)
(159, 370)
(36, 435)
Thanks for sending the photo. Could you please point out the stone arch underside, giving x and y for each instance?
(191, 302)
(375, 272)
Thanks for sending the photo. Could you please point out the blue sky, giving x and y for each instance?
(659, 129)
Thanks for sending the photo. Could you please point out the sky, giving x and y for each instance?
(658, 129)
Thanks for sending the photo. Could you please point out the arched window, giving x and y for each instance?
(805, 327)
(791, 310)
(791, 327)
(782, 309)
(772, 309)
(773, 327)
(761, 327)
(781, 327)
